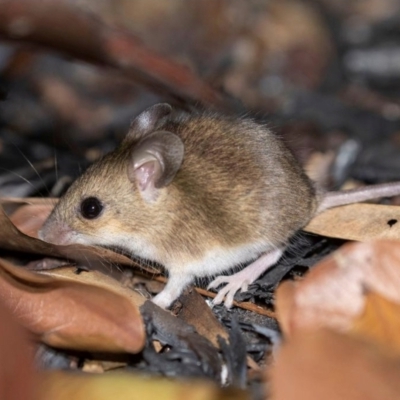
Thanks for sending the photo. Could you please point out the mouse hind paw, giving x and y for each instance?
(242, 279)
(233, 284)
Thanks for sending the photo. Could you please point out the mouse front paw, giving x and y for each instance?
(163, 299)
(233, 284)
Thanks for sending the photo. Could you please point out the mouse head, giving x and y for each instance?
(119, 194)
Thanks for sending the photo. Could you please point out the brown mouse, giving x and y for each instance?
(199, 193)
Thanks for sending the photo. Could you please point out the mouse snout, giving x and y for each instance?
(56, 233)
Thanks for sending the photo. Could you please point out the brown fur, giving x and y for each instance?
(238, 184)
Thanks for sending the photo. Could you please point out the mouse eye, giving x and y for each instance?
(91, 208)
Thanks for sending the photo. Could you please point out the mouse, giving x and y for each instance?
(199, 193)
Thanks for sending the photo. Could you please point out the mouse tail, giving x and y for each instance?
(341, 198)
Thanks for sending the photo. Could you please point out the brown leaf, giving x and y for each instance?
(322, 364)
(333, 293)
(30, 218)
(360, 222)
(74, 315)
(197, 313)
(11, 204)
(95, 278)
(121, 386)
(16, 355)
(285, 305)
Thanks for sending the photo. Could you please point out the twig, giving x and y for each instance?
(60, 26)
(241, 304)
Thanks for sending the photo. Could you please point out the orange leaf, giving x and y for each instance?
(333, 293)
(380, 322)
(322, 364)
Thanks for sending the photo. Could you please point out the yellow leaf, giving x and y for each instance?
(124, 386)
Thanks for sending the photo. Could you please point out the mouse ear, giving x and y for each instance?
(147, 120)
(155, 161)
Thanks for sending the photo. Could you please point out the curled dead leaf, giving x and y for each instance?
(70, 314)
(93, 257)
(333, 294)
(355, 293)
(95, 278)
(29, 218)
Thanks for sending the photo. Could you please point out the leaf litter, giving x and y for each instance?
(339, 334)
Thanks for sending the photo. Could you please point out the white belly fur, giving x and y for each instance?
(222, 259)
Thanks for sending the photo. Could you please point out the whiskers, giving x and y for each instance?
(5, 179)
(33, 167)
(56, 164)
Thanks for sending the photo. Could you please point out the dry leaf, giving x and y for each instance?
(380, 323)
(16, 355)
(285, 305)
(74, 315)
(355, 291)
(121, 386)
(360, 222)
(95, 278)
(197, 313)
(20, 201)
(321, 364)
(11, 204)
(30, 218)
(333, 293)
(94, 257)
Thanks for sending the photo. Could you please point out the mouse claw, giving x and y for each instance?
(218, 281)
(228, 292)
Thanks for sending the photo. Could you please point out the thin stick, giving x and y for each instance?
(246, 305)
(61, 26)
